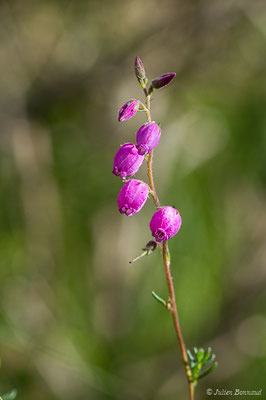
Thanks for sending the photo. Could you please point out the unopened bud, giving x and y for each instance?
(139, 68)
(140, 73)
(128, 110)
(163, 80)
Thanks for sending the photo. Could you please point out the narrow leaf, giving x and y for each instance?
(195, 371)
(207, 354)
(200, 354)
(190, 356)
(210, 360)
(159, 299)
(208, 371)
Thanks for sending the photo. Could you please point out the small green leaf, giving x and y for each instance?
(195, 371)
(210, 360)
(159, 299)
(190, 356)
(200, 354)
(207, 354)
(205, 373)
(202, 363)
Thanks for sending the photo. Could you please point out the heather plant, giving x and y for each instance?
(166, 221)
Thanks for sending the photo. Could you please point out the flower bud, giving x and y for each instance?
(165, 223)
(139, 68)
(128, 110)
(132, 197)
(148, 137)
(163, 80)
(127, 161)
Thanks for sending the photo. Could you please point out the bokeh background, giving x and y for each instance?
(77, 321)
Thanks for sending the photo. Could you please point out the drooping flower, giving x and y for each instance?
(165, 223)
(132, 197)
(127, 161)
(148, 137)
(128, 110)
(163, 80)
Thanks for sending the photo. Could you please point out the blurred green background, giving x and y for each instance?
(77, 321)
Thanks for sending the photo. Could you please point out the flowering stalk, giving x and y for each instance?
(166, 262)
(166, 221)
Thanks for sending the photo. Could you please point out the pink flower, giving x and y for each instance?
(148, 137)
(127, 161)
(132, 197)
(165, 223)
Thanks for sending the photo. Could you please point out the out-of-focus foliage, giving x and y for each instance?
(77, 321)
(9, 396)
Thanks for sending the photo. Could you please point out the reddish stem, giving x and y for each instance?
(166, 262)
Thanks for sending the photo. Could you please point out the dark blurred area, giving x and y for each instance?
(77, 321)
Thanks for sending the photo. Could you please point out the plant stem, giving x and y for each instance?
(154, 194)
(166, 262)
(151, 180)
